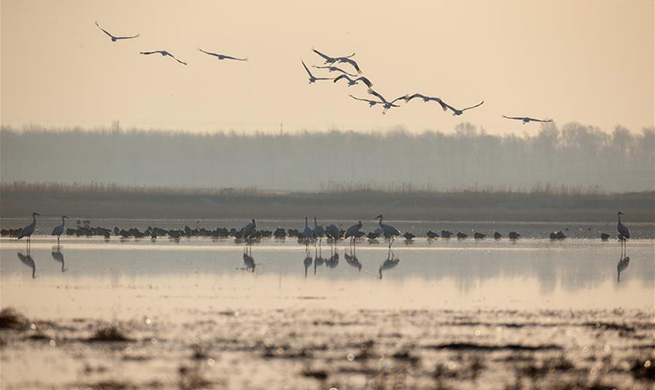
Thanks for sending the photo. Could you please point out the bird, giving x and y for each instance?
(351, 62)
(385, 103)
(514, 236)
(334, 69)
(370, 102)
(29, 229)
(461, 236)
(446, 234)
(307, 233)
(333, 232)
(497, 236)
(249, 232)
(352, 82)
(426, 99)
(330, 60)
(479, 236)
(59, 230)
(389, 231)
(604, 236)
(431, 235)
(624, 233)
(409, 236)
(313, 79)
(457, 112)
(318, 231)
(115, 38)
(223, 56)
(526, 119)
(164, 53)
(352, 231)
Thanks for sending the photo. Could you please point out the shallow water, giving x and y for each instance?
(458, 314)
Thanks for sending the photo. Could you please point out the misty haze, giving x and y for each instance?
(575, 155)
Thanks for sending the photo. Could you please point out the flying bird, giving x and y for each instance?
(223, 56)
(457, 112)
(313, 79)
(334, 69)
(164, 53)
(426, 99)
(331, 60)
(385, 103)
(526, 119)
(352, 82)
(115, 38)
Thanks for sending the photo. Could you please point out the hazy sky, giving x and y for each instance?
(587, 60)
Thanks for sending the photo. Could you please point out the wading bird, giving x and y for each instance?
(624, 233)
(115, 38)
(249, 232)
(352, 232)
(526, 119)
(223, 56)
(352, 82)
(334, 69)
(318, 231)
(389, 231)
(28, 230)
(307, 233)
(426, 99)
(164, 53)
(457, 112)
(313, 79)
(59, 230)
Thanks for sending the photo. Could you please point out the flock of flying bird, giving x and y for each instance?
(354, 79)
(165, 53)
(330, 63)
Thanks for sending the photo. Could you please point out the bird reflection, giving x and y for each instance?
(389, 263)
(307, 263)
(621, 266)
(28, 261)
(318, 260)
(352, 260)
(58, 256)
(333, 261)
(249, 262)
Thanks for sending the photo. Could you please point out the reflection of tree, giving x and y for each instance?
(573, 155)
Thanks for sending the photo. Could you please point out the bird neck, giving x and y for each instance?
(619, 215)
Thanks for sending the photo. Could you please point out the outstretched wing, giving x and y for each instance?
(175, 58)
(343, 76)
(409, 98)
(208, 52)
(351, 62)
(541, 120)
(518, 118)
(365, 81)
(448, 106)
(398, 98)
(150, 52)
(235, 58)
(327, 58)
(364, 100)
(372, 92)
(105, 31)
(307, 69)
(132, 37)
(468, 108)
